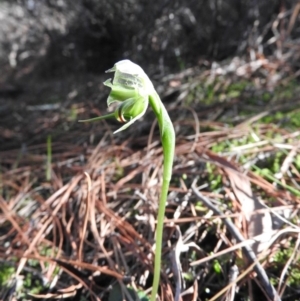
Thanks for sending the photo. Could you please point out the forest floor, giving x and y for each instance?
(78, 204)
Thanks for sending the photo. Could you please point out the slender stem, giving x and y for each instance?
(49, 158)
(98, 118)
(168, 142)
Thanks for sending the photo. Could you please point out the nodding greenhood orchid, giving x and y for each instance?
(132, 89)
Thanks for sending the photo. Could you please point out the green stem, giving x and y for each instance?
(49, 158)
(168, 142)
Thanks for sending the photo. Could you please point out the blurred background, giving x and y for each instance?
(55, 37)
(55, 52)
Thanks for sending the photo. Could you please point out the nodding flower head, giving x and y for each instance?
(131, 88)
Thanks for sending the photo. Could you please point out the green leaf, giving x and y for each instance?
(217, 267)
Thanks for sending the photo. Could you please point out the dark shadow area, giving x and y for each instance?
(89, 36)
(55, 52)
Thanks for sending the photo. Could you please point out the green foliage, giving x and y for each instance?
(282, 256)
(289, 120)
(72, 114)
(215, 91)
(200, 207)
(287, 91)
(267, 173)
(217, 267)
(6, 273)
(214, 179)
(280, 259)
(297, 162)
(188, 276)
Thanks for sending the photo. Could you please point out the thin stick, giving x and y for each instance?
(267, 285)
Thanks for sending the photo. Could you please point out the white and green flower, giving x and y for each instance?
(130, 88)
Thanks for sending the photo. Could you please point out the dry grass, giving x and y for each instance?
(87, 231)
(232, 228)
(92, 225)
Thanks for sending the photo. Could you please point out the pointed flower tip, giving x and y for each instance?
(113, 69)
(108, 83)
